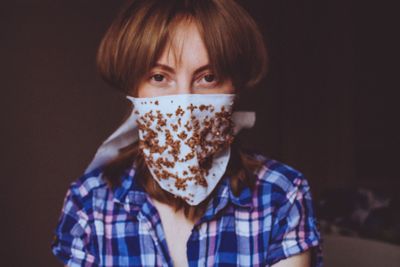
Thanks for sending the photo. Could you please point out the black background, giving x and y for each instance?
(327, 107)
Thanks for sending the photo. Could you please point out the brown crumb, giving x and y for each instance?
(191, 107)
(179, 111)
(182, 135)
(189, 156)
(180, 184)
(174, 127)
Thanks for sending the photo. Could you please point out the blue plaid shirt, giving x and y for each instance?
(102, 227)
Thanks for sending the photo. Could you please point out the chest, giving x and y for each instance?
(232, 239)
(177, 230)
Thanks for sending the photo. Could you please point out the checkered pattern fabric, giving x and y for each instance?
(121, 227)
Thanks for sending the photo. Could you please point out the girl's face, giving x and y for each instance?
(183, 68)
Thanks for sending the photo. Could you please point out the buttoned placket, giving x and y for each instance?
(149, 217)
(139, 205)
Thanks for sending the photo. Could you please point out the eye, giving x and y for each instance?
(158, 77)
(209, 78)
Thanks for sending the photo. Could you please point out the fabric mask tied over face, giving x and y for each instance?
(185, 140)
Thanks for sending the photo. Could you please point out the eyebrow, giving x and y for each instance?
(170, 69)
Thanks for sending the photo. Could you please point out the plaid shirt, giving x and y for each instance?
(101, 227)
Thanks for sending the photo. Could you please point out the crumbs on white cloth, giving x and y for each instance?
(128, 132)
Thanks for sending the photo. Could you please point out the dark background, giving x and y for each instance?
(324, 108)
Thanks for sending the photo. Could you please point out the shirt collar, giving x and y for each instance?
(224, 197)
(132, 195)
(130, 191)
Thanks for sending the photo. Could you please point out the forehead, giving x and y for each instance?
(185, 46)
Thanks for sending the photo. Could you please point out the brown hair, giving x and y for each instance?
(143, 28)
(136, 40)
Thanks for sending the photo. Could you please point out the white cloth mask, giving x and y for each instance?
(127, 133)
(185, 140)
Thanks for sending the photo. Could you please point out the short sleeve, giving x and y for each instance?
(295, 227)
(72, 235)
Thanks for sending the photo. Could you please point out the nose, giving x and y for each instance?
(184, 84)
